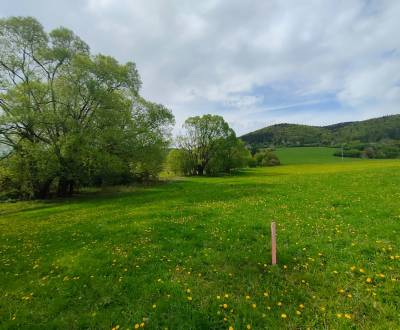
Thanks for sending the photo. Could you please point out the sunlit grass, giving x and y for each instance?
(195, 253)
(310, 155)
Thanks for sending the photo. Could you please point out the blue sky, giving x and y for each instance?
(256, 63)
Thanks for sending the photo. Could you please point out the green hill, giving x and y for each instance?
(377, 130)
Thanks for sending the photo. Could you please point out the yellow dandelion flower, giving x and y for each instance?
(230, 328)
(322, 309)
(339, 315)
(247, 297)
(154, 306)
(225, 306)
(266, 294)
(248, 326)
(298, 312)
(218, 297)
(301, 306)
(188, 291)
(254, 305)
(381, 275)
(137, 326)
(341, 291)
(283, 315)
(369, 280)
(279, 303)
(350, 295)
(347, 316)
(226, 295)
(353, 268)
(362, 270)
(189, 298)
(142, 325)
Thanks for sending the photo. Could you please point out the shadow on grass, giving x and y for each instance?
(177, 192)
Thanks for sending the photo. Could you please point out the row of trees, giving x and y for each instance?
(385, 150)
(69, 118)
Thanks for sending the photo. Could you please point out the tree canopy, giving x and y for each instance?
(70, 118)
(208, 146)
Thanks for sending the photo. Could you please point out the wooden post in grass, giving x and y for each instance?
(273, 243)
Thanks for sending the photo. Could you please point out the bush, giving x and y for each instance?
(266, 158)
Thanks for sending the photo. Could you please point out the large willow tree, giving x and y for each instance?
(70, 118)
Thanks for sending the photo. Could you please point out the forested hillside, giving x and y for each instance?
(377, 130)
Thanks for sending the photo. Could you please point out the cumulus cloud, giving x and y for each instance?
(255, 63)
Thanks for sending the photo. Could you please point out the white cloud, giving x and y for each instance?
(220, 56)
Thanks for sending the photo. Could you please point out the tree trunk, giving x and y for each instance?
(44, 190)
(200, 169)
(65, 187)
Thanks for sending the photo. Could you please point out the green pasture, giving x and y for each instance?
(310, 155)
(195, 253)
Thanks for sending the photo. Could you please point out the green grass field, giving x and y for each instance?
(310, 155)
(195, 253)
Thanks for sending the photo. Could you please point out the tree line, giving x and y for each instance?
(69, 118)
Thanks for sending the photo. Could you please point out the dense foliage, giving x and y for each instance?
(388, 150)
(265, 158)
(207, 147)
(382, 130)
(70, 118)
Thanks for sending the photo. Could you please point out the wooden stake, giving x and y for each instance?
(273, 242)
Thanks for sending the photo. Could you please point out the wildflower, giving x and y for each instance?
(301, 306)
(248, 326)
(362, 270)
(266, 294)
(341, 291)
(322, 309)
(350, 295)
(188, 291)
(381, 275)
(347, 316)
(247, 297)
(142, 325)
(283, 315)
(230, 328)
(279, 303)
(225, 306)
(254, 305)
(154, 306)
(218, 297)
(189, 298)
(353, 268)
(226, 295)
(298, 312)
(369, 280)
(137, 326)
(339, 315)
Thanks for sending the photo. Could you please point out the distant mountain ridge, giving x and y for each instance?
(376, 130)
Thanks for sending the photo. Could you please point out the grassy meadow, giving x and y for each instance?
(310, 155)
(194, 253)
